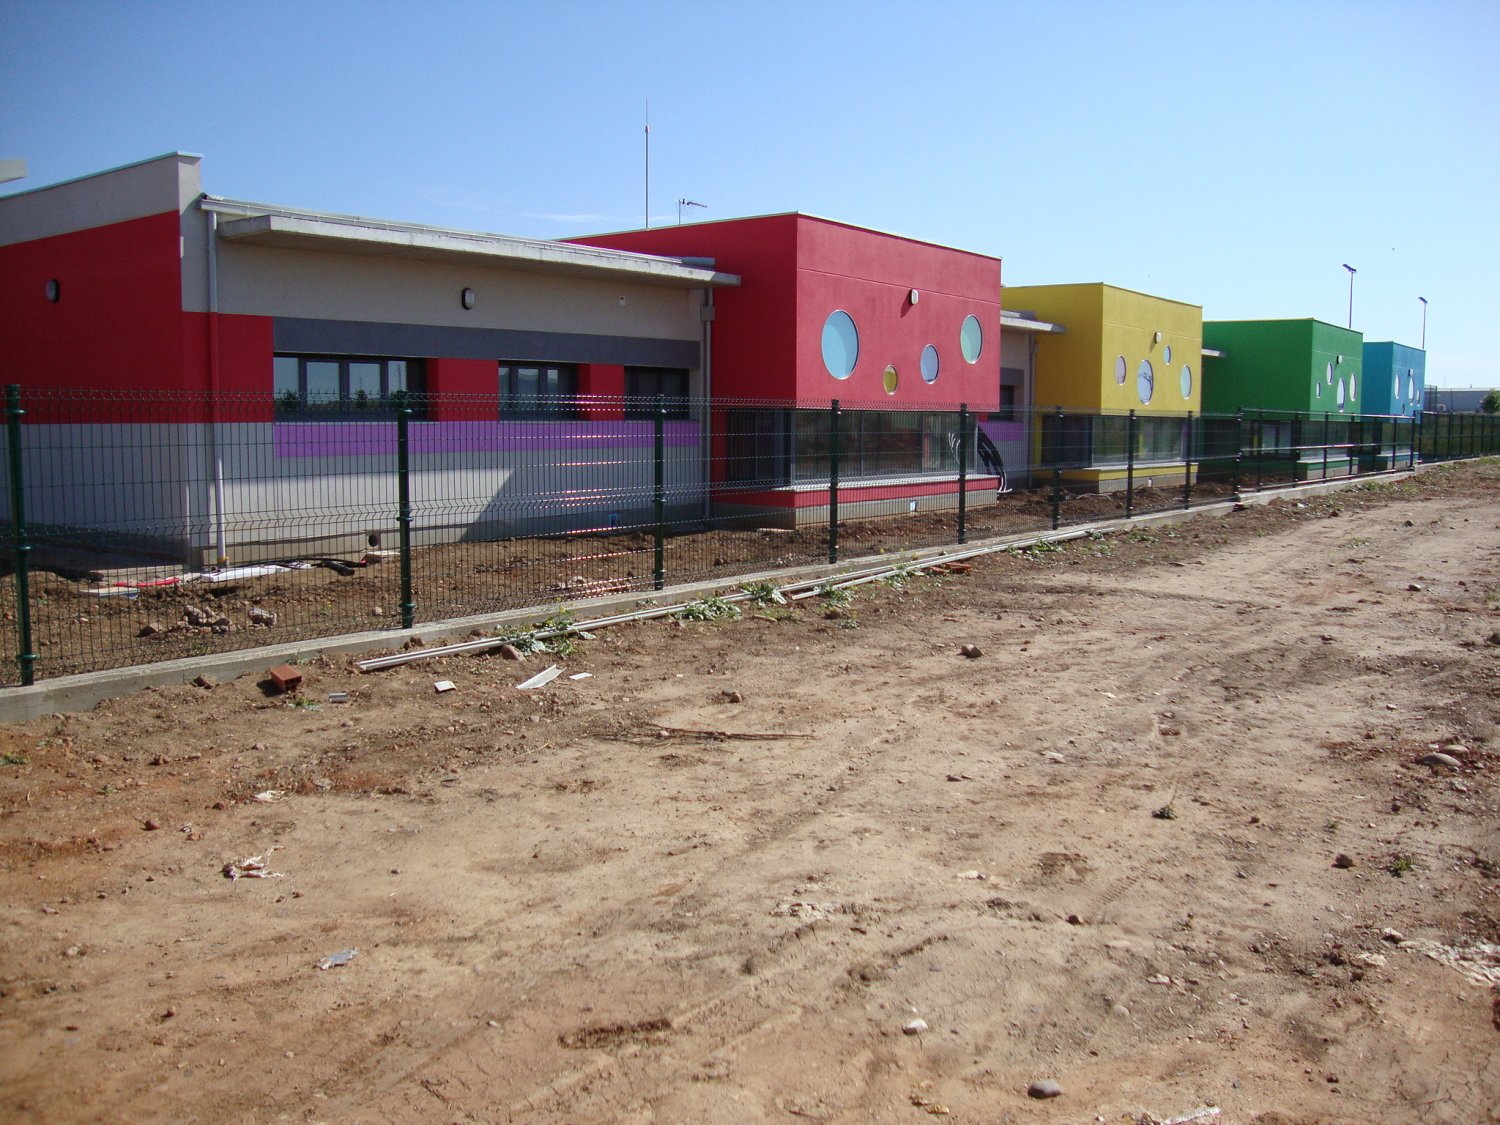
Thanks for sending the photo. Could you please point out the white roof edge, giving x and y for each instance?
(1028, 323)
(255, 220)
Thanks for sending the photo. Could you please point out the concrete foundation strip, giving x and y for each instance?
(794, 591)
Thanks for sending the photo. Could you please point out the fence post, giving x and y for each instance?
(1414, 431)
(963, 472)
(1187, 467)
(403, 510)
(13, 414)
(1239, 447)
(1057, 472)
(1260, 452)
(1130, 465)
(659, 492)
(1326, 417)
(833, 481)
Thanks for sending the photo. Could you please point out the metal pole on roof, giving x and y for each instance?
(1352, 272)
(1424, 322)
(648, 163)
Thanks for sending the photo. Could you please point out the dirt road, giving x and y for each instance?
(1105, 853)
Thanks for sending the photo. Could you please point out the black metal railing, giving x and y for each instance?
(148, 527)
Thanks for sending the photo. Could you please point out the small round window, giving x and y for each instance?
(1411, 386)
(1397, 385)
(1317, 390)
(1340, 394)
(1329, 375)
(1145, 381)
(1352, 391)
(889, 380)
(840, 344)
(929, 364)
(1120, 370)
(971, 339)
(1166, 353)
(1185, 381)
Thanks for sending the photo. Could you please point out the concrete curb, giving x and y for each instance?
(83, 691)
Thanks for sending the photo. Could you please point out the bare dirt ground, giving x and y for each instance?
(1104, 852)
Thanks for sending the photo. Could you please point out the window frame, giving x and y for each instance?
(293, 405)
(643, 384)
(516, 406)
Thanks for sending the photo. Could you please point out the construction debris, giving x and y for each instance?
(285, 677)
(541, 679)
(334, 960)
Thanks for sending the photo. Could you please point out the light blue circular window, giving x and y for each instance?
(929, 364)
(840, 344)
(1185, 383)
(1411, 386)
(1341, 394)
(1145, 381)
(970, 339)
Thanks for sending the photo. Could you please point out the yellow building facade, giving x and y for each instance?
(1121, 351)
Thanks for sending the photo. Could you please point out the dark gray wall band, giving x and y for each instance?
(354, 337)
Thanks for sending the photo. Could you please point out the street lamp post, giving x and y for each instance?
(1352, 272)
(1424, 322)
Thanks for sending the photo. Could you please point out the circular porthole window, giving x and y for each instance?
(1145, 381)
(1166, 353)
(889, 379)
(1340, 394)
(1185, 381)
(53, 290)
(971, 339)
(1317, 390)
(840, 344)
(1411, 386)
(1329, 375)
(929, 364)
(1120, 370)
(1397, 385)
(1352, 391)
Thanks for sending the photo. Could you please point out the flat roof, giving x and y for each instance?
(259, 224)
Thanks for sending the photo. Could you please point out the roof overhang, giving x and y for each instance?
(276, 227)
(1019, 322)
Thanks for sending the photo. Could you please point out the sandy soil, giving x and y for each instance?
(1102, 853)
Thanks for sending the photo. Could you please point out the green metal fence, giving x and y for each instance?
(149, 527)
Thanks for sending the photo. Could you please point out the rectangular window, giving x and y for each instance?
(777, 447)
(1011, 381)
(353, 387)
(1009, 395)
(643, 384)
(538, 390)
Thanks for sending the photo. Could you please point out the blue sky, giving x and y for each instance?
(1228, 155)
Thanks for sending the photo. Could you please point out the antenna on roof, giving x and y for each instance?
(681, 203)
(648, 163)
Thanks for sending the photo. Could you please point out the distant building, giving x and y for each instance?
(1395, 379)
(1455, 400)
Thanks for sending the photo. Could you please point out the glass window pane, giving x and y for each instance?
(971, 339)
(395, 376)
(286, 380)
(840, 344)
(322, 380)
(364, 381)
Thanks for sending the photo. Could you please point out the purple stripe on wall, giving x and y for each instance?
(1004, 431)
(378, 439)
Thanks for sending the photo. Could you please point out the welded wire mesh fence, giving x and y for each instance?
(149, 527)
